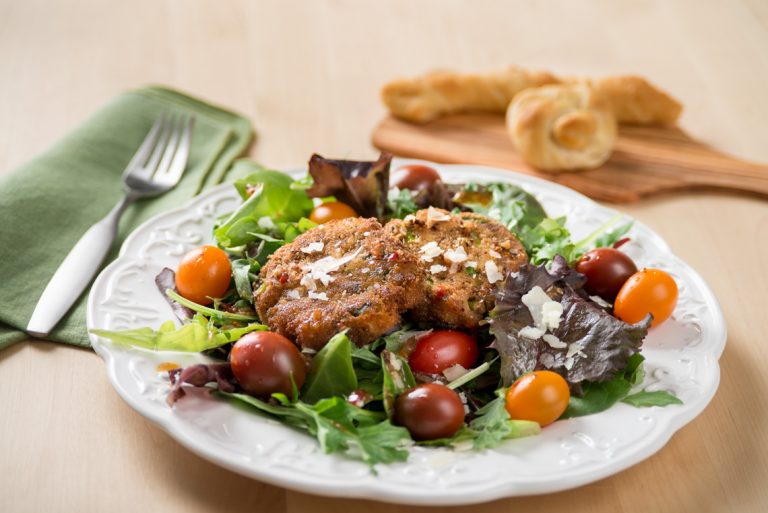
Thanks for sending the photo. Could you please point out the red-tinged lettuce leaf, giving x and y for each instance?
(362, 185)
(197, 376)
(597, 345)
(167, 280)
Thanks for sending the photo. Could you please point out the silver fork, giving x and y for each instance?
(156, 168)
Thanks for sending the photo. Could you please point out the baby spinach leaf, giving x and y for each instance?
(597, 397)
(332, 373)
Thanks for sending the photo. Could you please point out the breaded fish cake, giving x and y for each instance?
(346, 274)
(464, 256)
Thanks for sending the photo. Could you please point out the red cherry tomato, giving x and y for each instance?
(204, 273)
(263, 363)
(414, 177)
(606, 270)
(648, 291)
(331, 210)
(443, 349)
(429, 411)
(540, 396)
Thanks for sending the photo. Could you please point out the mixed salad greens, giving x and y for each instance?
(352, 398)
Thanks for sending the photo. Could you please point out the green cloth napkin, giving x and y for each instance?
(47, 204)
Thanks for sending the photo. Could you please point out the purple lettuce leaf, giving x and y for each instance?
(167, 280)
(362, 185)
(595, 345)
(198, 376)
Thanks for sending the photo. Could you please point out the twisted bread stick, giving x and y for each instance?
(435, 94)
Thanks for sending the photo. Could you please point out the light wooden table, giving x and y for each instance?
(307, 73)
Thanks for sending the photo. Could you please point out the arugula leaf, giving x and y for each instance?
(645, 399)
(340, 427)
(219, 315)
(198, 335)
(491, 427)
(400, 203)
(332, 372)
(397, 379)
(243, 274)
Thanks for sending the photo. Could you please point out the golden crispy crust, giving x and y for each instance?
(457, 297)
(436, 94)
(562, 127)
(379, 279)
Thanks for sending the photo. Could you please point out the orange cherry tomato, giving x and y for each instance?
(204, 273)
(540, 396)
(332, 210)
(647, 291)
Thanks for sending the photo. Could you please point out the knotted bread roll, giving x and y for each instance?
(562, 127)
(435, 94)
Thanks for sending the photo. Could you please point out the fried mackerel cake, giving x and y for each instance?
(347, 274)
(464, 257)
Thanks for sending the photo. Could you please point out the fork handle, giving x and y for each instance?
(76, 271)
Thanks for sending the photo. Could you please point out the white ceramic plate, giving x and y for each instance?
(681, 356)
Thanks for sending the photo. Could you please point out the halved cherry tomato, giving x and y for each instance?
(203, 273)
(442, 349)
(414, 177)
(263, 363)
(606, 270)
(648, 291)
(540, 396)
(331, 210)
(429, 411)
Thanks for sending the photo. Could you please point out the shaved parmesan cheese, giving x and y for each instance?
(494, 254)
(437, 268)
(492, 272)
(531, 333)
(554, 342)
(409, 218)
(318, 295)
(293, 294)
(430, 250)
(568, 363)
(470, 263)
(454, 372)
(313, 247)
(435, 216)
(546, 313)
(457, 255)
(320, 269)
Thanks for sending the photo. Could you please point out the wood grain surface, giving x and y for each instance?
(307, 74)
(646, 161)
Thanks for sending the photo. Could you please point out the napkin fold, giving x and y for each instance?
(47, 204)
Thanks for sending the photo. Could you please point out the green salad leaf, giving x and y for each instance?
(269, 200)
(397, 379)
(340, 427)
(198, 335)
(490, 427)
(644, 399)
(598, 397)
(332, 372)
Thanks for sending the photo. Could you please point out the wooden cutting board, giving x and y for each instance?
(647, 161)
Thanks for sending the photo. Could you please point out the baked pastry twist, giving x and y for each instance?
(436, 94)
(562, 127)
(634, 100)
